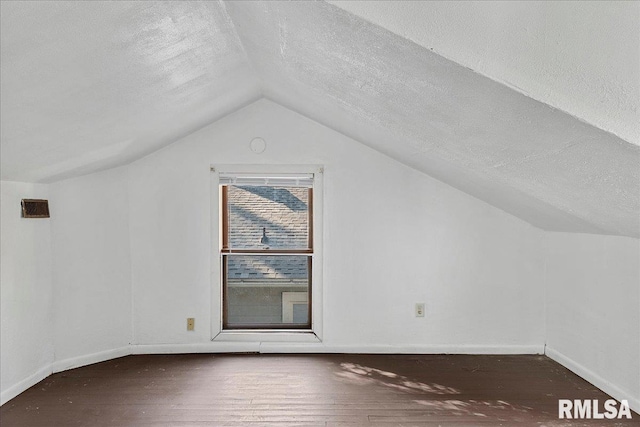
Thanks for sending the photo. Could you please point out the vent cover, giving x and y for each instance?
(35, 208)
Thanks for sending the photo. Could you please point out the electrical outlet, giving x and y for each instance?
(419, 309)
(191, 323)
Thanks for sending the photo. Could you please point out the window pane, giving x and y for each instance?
(270, 291)
(300, 313)
(263, 217)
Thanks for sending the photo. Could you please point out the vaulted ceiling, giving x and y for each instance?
(90, 85)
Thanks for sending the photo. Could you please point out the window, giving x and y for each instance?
(267, 251)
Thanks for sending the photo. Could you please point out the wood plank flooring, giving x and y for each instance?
(306, 390)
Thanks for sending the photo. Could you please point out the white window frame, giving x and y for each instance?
(252, 335)
(289, 299)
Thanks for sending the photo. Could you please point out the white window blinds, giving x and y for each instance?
(275, 180)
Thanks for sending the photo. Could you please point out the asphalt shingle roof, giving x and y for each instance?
(246, 267)
(279, 213)
(282, 212)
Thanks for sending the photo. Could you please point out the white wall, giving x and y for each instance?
(92, 267)
(393, 237)
(26, 338)
(592, 314)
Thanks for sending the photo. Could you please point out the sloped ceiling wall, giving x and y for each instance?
(579, 57)
(85, 85)
(89, 85)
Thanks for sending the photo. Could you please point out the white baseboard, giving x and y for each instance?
(21, 386)
(316, 347)
(604, 385)
(274, 347)
(88, 359)
(207, 347)
(59, 366)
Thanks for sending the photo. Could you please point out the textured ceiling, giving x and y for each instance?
(88, 85)
(91, 85)
(579, 57)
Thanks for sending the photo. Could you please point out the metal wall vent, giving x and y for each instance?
(35, 208)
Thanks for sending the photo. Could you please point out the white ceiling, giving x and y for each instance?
(579, 57)
(91, 85)
(87, 85)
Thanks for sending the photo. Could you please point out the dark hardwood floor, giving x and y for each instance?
(305, 390)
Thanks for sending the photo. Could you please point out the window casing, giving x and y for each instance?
(267, 252)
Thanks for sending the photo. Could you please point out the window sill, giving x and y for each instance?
(303, 335)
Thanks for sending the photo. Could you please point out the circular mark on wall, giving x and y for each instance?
(258, 145)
